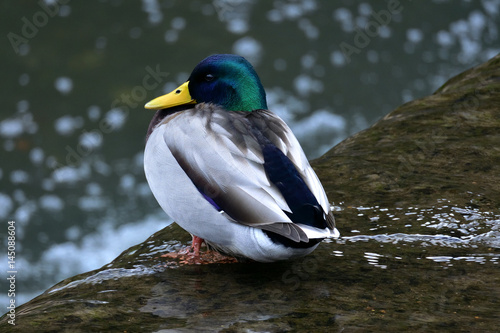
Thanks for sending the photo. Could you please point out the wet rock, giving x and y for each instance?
(416, 200)
(446, 145)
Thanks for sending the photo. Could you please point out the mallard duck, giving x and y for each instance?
(229, 171)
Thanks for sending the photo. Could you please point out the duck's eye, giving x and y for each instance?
(209, 77)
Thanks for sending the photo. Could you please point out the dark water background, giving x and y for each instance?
(75, 76)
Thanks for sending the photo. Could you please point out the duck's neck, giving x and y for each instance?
(244, 94)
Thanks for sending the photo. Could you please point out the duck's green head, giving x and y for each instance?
(227, 80)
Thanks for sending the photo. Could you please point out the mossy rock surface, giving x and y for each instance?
(417, 202)
(446, 145)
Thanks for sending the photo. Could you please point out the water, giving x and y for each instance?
(72, 125)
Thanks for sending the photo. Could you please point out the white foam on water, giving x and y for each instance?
(95, 250)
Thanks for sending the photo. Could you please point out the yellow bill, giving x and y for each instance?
(179, 96)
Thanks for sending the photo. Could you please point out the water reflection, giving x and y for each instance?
(374, 258)
(449, 260)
